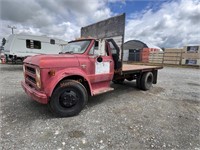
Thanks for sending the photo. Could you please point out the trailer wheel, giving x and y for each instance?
(68, 99)
(146, 81)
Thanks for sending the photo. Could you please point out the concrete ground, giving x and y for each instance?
(166, 117)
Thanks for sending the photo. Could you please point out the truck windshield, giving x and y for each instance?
(76, 47)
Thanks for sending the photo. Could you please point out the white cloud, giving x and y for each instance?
(175, 24)
(61, 19)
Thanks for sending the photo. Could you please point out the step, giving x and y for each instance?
(102, 90)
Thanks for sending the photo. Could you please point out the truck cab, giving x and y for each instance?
(84, 68)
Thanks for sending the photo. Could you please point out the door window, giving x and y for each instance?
(94, 49)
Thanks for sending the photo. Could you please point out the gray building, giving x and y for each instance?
(133, 48)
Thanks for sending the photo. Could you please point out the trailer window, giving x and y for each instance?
(52, 41)
(33, 44)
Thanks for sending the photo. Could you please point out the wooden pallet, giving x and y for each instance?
(171, 62)
(172, 54)
(173, 50)
(172, 58)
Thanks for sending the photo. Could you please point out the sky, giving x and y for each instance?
(164, 23)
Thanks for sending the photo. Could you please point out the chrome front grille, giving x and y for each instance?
(30, 69)
(31, 79)
(30, 75)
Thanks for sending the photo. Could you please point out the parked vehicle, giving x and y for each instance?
(18, 47)
(2, 58)
(84, 68)
(2, 55)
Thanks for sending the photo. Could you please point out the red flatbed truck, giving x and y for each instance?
(85, 68)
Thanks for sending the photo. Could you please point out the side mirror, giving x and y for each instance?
(99, 59)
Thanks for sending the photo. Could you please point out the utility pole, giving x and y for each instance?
(12, 27)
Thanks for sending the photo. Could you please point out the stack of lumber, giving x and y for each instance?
(145, 55)
(172, 56)
(156, 57)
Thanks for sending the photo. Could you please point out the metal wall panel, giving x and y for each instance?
(108, 28)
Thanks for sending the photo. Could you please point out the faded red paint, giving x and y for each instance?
(65, 65)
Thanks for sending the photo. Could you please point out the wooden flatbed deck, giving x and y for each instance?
(135, 68)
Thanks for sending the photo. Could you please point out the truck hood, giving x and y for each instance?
(53, 61)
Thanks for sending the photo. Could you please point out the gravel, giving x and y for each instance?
(165, 117)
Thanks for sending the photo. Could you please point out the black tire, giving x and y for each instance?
(146, 81)
(68, 99)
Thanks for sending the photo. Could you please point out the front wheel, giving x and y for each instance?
(68, 99)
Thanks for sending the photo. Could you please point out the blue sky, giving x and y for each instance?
(135, 6)
(165, 23)
(129, 7)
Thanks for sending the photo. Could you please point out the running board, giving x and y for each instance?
(102, 90)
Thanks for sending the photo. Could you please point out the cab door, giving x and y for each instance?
(101, 62)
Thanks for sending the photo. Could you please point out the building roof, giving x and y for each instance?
(136, 44)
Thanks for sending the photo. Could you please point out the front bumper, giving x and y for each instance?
(35, 95)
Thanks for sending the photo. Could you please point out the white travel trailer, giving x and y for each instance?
(19, 46)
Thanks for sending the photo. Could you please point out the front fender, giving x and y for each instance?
(60, 75)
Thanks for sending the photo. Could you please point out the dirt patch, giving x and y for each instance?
(76, 134)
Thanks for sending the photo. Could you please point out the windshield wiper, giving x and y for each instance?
(69, 52)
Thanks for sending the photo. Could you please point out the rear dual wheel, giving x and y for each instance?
(68, 99)
(145, 81)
